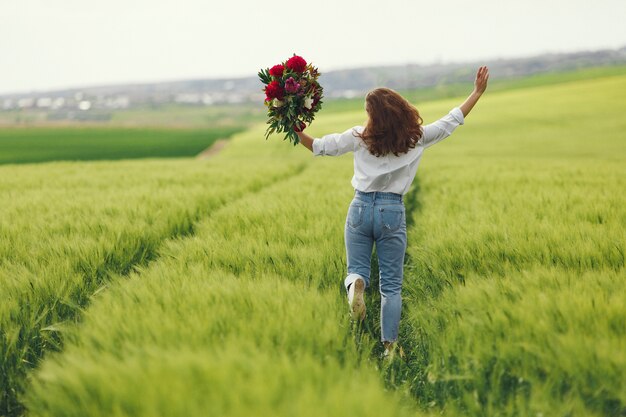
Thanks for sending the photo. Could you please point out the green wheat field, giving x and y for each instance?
(189, 287)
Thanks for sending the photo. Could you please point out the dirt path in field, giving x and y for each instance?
(212, 150)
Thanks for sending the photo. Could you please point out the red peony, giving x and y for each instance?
(274, 90)
(277, 71)
(296, 63)
(291, 85)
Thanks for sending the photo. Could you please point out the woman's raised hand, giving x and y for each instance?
(480, 83)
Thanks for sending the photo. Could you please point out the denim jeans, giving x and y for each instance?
(380, 218)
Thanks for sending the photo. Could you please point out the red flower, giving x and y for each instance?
(296, 63)
(277, 71)
(274, 90)
(291, 85)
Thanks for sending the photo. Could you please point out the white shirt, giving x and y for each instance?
(387, 173)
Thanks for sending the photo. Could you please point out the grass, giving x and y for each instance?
(512, 294)
(68, 227)
(41, 144)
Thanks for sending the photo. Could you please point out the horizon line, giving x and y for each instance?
(337, 69)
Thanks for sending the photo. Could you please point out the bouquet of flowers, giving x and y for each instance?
(293, 96)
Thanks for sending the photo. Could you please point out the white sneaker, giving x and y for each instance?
(355, 299)
(390, 349)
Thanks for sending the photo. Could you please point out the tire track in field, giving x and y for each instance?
(96, 280)
(213, 150)
(397, 373)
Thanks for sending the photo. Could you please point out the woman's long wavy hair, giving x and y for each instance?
(394, 124)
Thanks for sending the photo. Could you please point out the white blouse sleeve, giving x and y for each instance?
(442, 128)
(336, 143)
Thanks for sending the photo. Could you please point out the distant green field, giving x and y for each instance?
(186, 287)
(40, 144)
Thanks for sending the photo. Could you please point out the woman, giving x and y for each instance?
(387, 152)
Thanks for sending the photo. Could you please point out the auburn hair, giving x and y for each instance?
(394, 124)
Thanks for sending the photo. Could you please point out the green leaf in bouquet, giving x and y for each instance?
(265, 76)
(270, 130)
(292, 137)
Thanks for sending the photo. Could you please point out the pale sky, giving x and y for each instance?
(49, 44)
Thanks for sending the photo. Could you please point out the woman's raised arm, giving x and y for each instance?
(480, 85)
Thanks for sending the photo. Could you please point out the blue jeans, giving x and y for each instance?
(378, 217)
